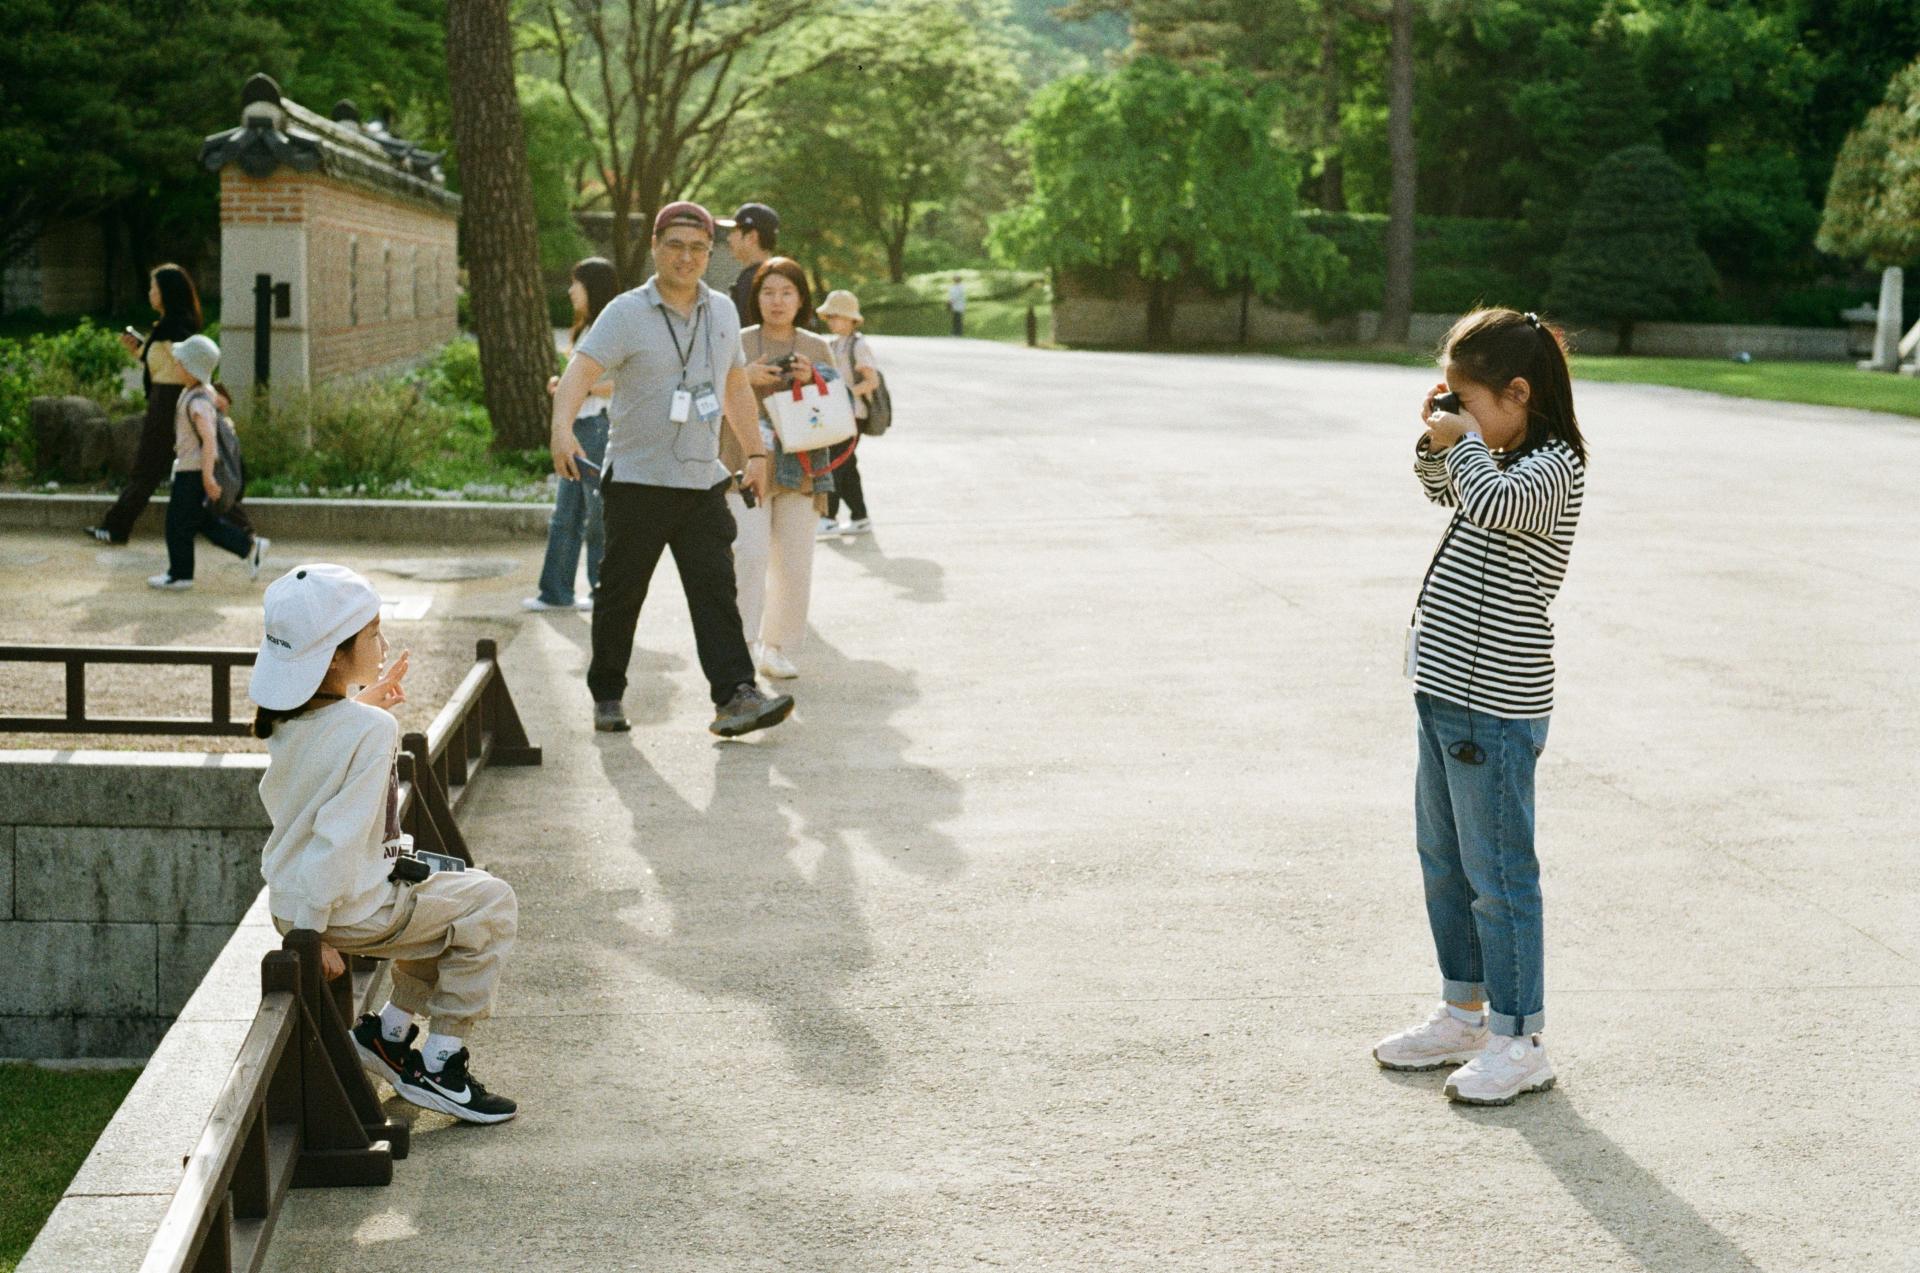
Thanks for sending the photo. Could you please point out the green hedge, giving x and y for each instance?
(85, 360)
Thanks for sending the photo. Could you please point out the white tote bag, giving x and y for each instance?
(812, 415)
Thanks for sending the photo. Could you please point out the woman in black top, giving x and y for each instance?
(170, 290)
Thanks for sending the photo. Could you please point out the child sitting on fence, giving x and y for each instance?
(334, 860)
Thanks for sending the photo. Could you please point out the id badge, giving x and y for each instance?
(706, 403)
(1413, 646)
(682, 406)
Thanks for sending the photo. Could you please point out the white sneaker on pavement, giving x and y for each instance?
(537, 603)
(1441, 1040)
(168, 583)
(1507, 1067)
(828, 529)
(776, 664)
(860, 526)
(259, 554)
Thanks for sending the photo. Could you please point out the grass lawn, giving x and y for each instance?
(986, 320)
(1821, 384)
(49, 1119)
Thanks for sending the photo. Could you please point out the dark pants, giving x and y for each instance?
(642, 521)
(959, 321)
(846, 481)
(188, 515)
(151, 463)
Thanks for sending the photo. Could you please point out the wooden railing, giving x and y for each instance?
(78, 658)
(297, 1111)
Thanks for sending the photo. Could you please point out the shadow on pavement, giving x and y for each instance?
(649, 698)
(918, 579)
(764, 898)
(1656, 1226)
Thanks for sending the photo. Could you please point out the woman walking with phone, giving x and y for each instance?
(171, 293)
(577, 511)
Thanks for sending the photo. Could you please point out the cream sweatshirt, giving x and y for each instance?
(327, 859)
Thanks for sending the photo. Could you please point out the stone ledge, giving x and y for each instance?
(307, 520)
(168, 790)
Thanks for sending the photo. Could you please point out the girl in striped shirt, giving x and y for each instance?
(1502, 450)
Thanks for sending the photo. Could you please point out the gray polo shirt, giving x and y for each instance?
(635, 340)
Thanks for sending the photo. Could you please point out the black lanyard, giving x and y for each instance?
(692, 331)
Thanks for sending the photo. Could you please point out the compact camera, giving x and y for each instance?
(1448, 402)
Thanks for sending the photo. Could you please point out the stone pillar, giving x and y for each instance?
(1886, 333)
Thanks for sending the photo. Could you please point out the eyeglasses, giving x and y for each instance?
(684, 247)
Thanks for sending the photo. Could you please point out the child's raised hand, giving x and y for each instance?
(331, 963)
(388, 692)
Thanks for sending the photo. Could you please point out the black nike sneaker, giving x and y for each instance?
(397, 1063)
(454, 1091)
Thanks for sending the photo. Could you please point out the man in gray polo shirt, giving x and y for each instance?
(672, 348)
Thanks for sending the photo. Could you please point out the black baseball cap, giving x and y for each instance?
(753, 216)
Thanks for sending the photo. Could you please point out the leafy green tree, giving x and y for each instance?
(863, 150)
(558, 154)
(1162, 175)
(1873, 202)
(1630, 253)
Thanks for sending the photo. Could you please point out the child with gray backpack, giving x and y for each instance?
(206, 474)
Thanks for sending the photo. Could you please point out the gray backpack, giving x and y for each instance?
(228, 470)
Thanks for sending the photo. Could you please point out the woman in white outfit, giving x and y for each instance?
(773, 554)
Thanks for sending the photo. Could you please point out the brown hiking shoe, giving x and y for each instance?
(748, 710)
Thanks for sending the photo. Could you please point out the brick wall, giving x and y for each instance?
(382, 270)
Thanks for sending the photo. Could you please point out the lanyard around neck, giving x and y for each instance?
(686, 355)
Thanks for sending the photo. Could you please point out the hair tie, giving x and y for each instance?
(1533, 319)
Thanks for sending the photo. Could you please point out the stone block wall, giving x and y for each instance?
(122, 874)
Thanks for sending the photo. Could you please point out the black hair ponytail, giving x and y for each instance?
(1495, 347)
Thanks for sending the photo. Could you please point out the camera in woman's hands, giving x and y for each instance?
(1448, 402)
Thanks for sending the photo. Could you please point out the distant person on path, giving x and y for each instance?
(853, 356)
(334, 859)
(191, 509)
(171, 293)
(577, 510)
(957, 305)
(1503, 450)
(672, 349)
(753, 234)
(773, 559)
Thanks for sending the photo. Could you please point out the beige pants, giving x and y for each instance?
(773, 567)
(446, 937)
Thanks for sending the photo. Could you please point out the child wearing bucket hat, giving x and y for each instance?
(190, 506)
(332, 791)
(853, 357)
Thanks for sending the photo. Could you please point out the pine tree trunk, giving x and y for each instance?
(1160, 313)
(497, 223)
(1396, 302)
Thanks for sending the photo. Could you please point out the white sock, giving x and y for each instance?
(1471, 1018)
(394, 1022)
(437, 1049)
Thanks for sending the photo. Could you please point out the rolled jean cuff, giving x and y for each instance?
(453, 1027)
(1463, 991)
(1510, 1026)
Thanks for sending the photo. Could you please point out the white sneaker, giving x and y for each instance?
(259, 554)
(776, 664)
(535, 603)
(828, 529)
(860, 526)
(169, 583)
(585, 605)
(1507, 1067)
(1443, 1039)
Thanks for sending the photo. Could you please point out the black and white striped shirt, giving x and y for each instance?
(1484, 639)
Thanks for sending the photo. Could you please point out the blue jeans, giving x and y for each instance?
(1474, 828)
(576, 511)
(187, 516)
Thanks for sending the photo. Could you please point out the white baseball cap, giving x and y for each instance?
(310, 610)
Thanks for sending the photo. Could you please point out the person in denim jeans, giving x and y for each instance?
(577, 510)
(1503, 450)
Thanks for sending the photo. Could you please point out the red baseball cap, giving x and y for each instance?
(683, 212)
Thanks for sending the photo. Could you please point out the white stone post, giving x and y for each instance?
(1886, 333)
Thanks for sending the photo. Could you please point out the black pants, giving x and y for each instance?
(188, 515)
(846, 482)
(151, 463)
(959, 321)
(642, 521)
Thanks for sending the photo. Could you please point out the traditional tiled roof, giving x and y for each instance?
(276, 132)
